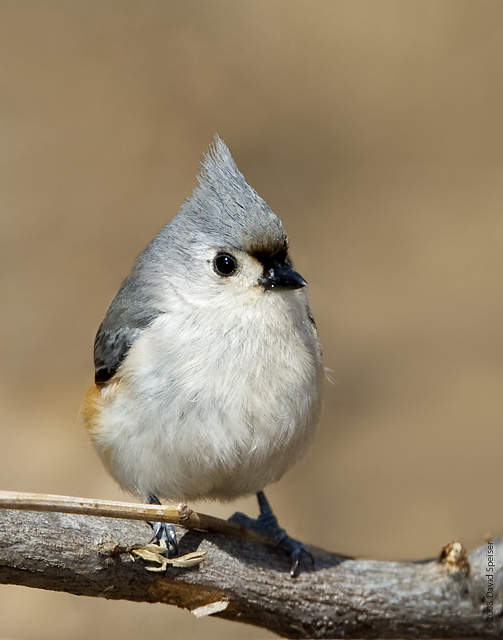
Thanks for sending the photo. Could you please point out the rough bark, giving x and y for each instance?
(247, 581)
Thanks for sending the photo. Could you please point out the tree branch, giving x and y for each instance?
(244, 580)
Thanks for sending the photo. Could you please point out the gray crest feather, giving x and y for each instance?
(225, 210)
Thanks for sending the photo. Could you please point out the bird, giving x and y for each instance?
(208, 366)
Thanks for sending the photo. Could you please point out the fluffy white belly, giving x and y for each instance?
(195, 414)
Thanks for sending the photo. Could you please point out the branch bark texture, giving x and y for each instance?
(453, 596)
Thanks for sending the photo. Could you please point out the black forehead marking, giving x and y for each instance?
(268, 247)
(267, 258)
(269, 244)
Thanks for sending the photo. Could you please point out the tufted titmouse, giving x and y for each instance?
(208, 370)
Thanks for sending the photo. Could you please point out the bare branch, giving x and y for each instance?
(242, 579)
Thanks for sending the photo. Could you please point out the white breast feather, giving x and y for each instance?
(212, 406)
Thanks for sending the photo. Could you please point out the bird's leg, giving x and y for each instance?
(267, 524)
(164, 531)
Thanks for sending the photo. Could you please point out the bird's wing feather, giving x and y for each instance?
(130, 313)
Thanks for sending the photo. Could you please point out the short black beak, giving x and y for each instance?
(281, 276)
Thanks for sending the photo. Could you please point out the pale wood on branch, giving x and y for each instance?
(245, 580)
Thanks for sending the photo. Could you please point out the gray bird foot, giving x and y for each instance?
(164, 531)
(267, 525)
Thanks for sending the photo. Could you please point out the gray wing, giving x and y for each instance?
(129, 314)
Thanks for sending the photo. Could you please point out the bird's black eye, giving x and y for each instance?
(225, 265)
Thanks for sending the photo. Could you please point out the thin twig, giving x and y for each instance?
(173, 513)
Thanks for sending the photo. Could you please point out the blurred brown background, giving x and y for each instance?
(374, 129)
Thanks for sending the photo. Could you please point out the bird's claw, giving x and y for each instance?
(292, 547)
(294, 550)
(165, 533)
(267, 525)
(167, 546)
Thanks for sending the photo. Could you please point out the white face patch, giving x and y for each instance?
(249, 271)
(239, 286)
